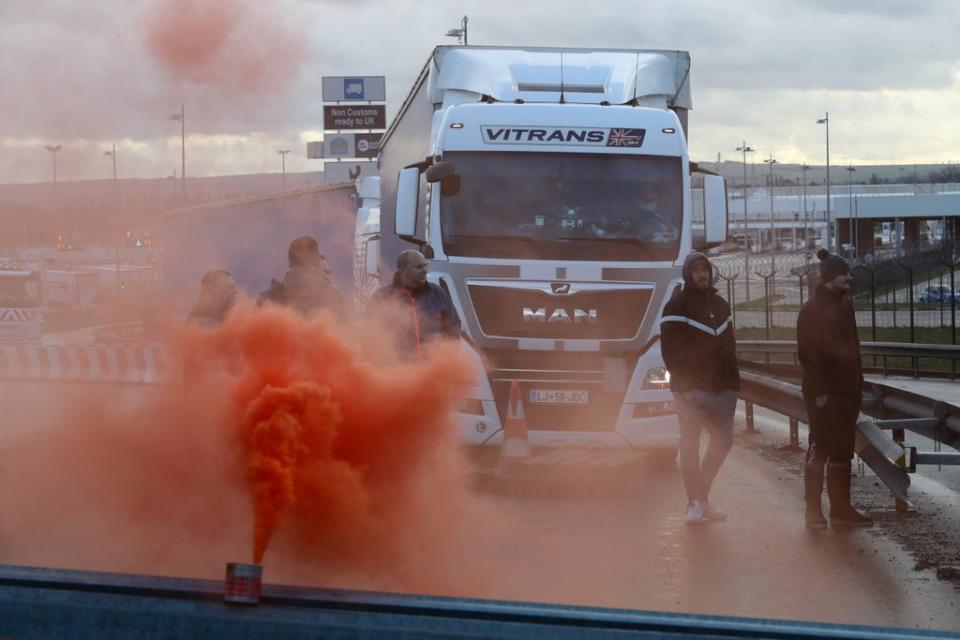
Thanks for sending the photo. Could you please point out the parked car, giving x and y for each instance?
(936, 294)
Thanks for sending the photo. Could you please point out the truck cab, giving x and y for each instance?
(551, 191)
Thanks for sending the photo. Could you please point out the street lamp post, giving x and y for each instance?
(112, 154)
(773, 234)
(773, 227)
(461, 33)
(181, 118)
(53, 148)
(806, 220)
(853, 237)
(283, 167)
(825, 120)
(743, 148)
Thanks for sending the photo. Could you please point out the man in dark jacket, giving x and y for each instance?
(699, 349)
(217, 295)
(427, 308)
(829, 351)
(307, 286)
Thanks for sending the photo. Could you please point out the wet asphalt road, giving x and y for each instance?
(616, 538)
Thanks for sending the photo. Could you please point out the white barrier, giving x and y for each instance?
(124, 364)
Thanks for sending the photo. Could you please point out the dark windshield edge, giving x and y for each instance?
(572, 206)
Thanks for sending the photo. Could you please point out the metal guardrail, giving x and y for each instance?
(887, 408)
(876, 351)
(53, 603)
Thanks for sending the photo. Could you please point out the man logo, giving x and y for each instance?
(560, 288)
(560, 315)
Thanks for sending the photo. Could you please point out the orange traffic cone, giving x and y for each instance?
(515, 443)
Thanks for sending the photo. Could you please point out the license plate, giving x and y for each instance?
(559, 396)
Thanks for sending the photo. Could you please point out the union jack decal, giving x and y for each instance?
(626, 137)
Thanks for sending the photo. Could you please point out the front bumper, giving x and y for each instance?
(659, 432)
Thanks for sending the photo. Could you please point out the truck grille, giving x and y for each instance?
(531, 310)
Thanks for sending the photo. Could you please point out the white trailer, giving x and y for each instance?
(550, 189)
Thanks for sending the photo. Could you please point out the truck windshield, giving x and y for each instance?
(564, 206)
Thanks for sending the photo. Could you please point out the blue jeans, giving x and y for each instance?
(711, 411)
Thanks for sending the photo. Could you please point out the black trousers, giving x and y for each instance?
(833, 427)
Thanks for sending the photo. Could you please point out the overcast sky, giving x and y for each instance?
(90, 73)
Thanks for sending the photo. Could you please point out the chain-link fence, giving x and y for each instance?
(912, 296)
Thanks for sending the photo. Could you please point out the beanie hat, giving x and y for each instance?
(831, 265)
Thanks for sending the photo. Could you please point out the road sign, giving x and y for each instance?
(368, 145)
(337, 172)
(354, 89)
(345, 145)
(372, 116)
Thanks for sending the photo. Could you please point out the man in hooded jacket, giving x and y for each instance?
(829, 350)
(699, 349)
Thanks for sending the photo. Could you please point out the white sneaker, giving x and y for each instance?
(695, 512)
(710, 512)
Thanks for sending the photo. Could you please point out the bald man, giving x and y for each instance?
(431, 312)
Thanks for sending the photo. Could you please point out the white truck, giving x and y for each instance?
(550, 190)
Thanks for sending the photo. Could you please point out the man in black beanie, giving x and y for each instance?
(829, 350)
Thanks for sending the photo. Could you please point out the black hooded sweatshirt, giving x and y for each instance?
(828, 344)
(697, 342)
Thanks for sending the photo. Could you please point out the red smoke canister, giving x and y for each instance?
(243, 583)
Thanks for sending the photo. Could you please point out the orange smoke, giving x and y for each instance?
(277, 427)
(332, 444)
(335, 447)
(236, 45)
(284, 437)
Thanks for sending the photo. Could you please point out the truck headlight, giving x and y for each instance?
(657, 378)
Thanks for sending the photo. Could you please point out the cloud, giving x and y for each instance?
(786, 47)
(866, 127)
(235, 46)
(898, 8)
(118, 69)
(107, 70)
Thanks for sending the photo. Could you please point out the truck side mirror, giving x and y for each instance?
(450, 186)
(408, 195)
(714, 210)
(440, 170)
(373, 256)
(445, 172)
